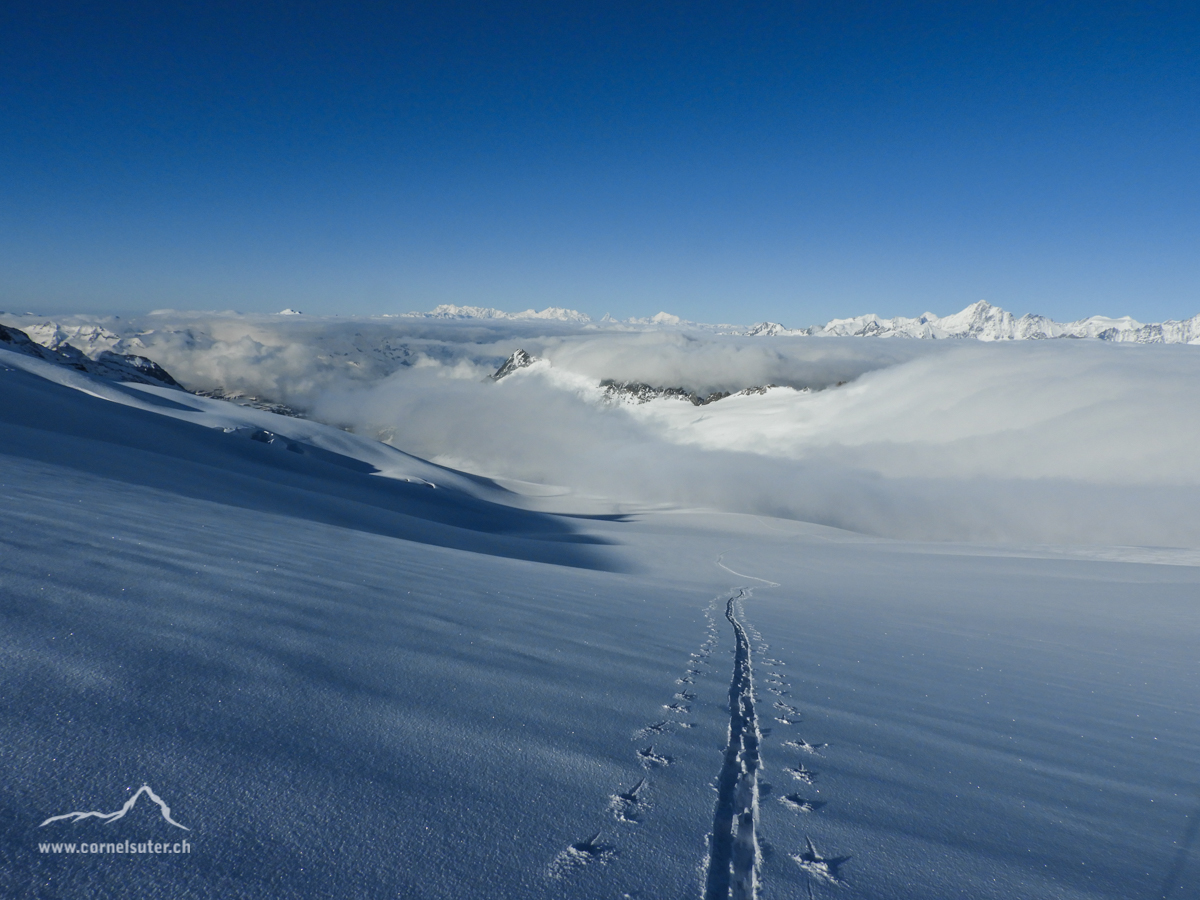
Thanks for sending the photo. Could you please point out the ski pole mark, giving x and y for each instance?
(801, 774)
(733, 849)
(801, 804)
(650, 759)
(627, 805)
(630, 807)
(801, 744)
(824, 868)
(580, 854)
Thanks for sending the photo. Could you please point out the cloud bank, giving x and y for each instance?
(1062, 442)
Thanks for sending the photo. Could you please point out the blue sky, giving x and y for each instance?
(725, 162)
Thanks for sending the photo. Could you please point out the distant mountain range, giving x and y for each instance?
(980, 321)
(983, 322)
(450, 311)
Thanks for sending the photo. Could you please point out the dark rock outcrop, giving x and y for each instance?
(107, 365)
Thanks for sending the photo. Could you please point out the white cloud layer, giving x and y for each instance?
(1039, 442)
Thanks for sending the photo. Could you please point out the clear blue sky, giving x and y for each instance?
(726, 162)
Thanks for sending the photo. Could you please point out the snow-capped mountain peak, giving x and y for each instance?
(452, 311)
(984, 322)
(519, 360)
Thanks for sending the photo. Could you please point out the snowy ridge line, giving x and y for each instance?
(734, 851)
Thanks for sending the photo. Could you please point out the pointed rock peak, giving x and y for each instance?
(766, 329)
(519, 360)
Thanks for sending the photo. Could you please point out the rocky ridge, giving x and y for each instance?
(636, 392)
(106, 364)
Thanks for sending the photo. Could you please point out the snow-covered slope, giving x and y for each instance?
(345, 684)
(984, 322)
(211, 449)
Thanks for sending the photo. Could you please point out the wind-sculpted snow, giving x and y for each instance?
(1069, 442)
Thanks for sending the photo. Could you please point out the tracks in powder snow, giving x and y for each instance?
(733, 853)
(732, 868)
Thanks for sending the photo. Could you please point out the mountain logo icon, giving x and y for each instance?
(111, 817)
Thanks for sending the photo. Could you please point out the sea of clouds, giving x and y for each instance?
(1045, 442)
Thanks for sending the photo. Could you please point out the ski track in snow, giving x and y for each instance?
(740, 575)
(731, 870)
(733, 849)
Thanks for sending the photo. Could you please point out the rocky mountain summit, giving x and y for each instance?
(106, 364)
(635, 392)
(519, 360)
